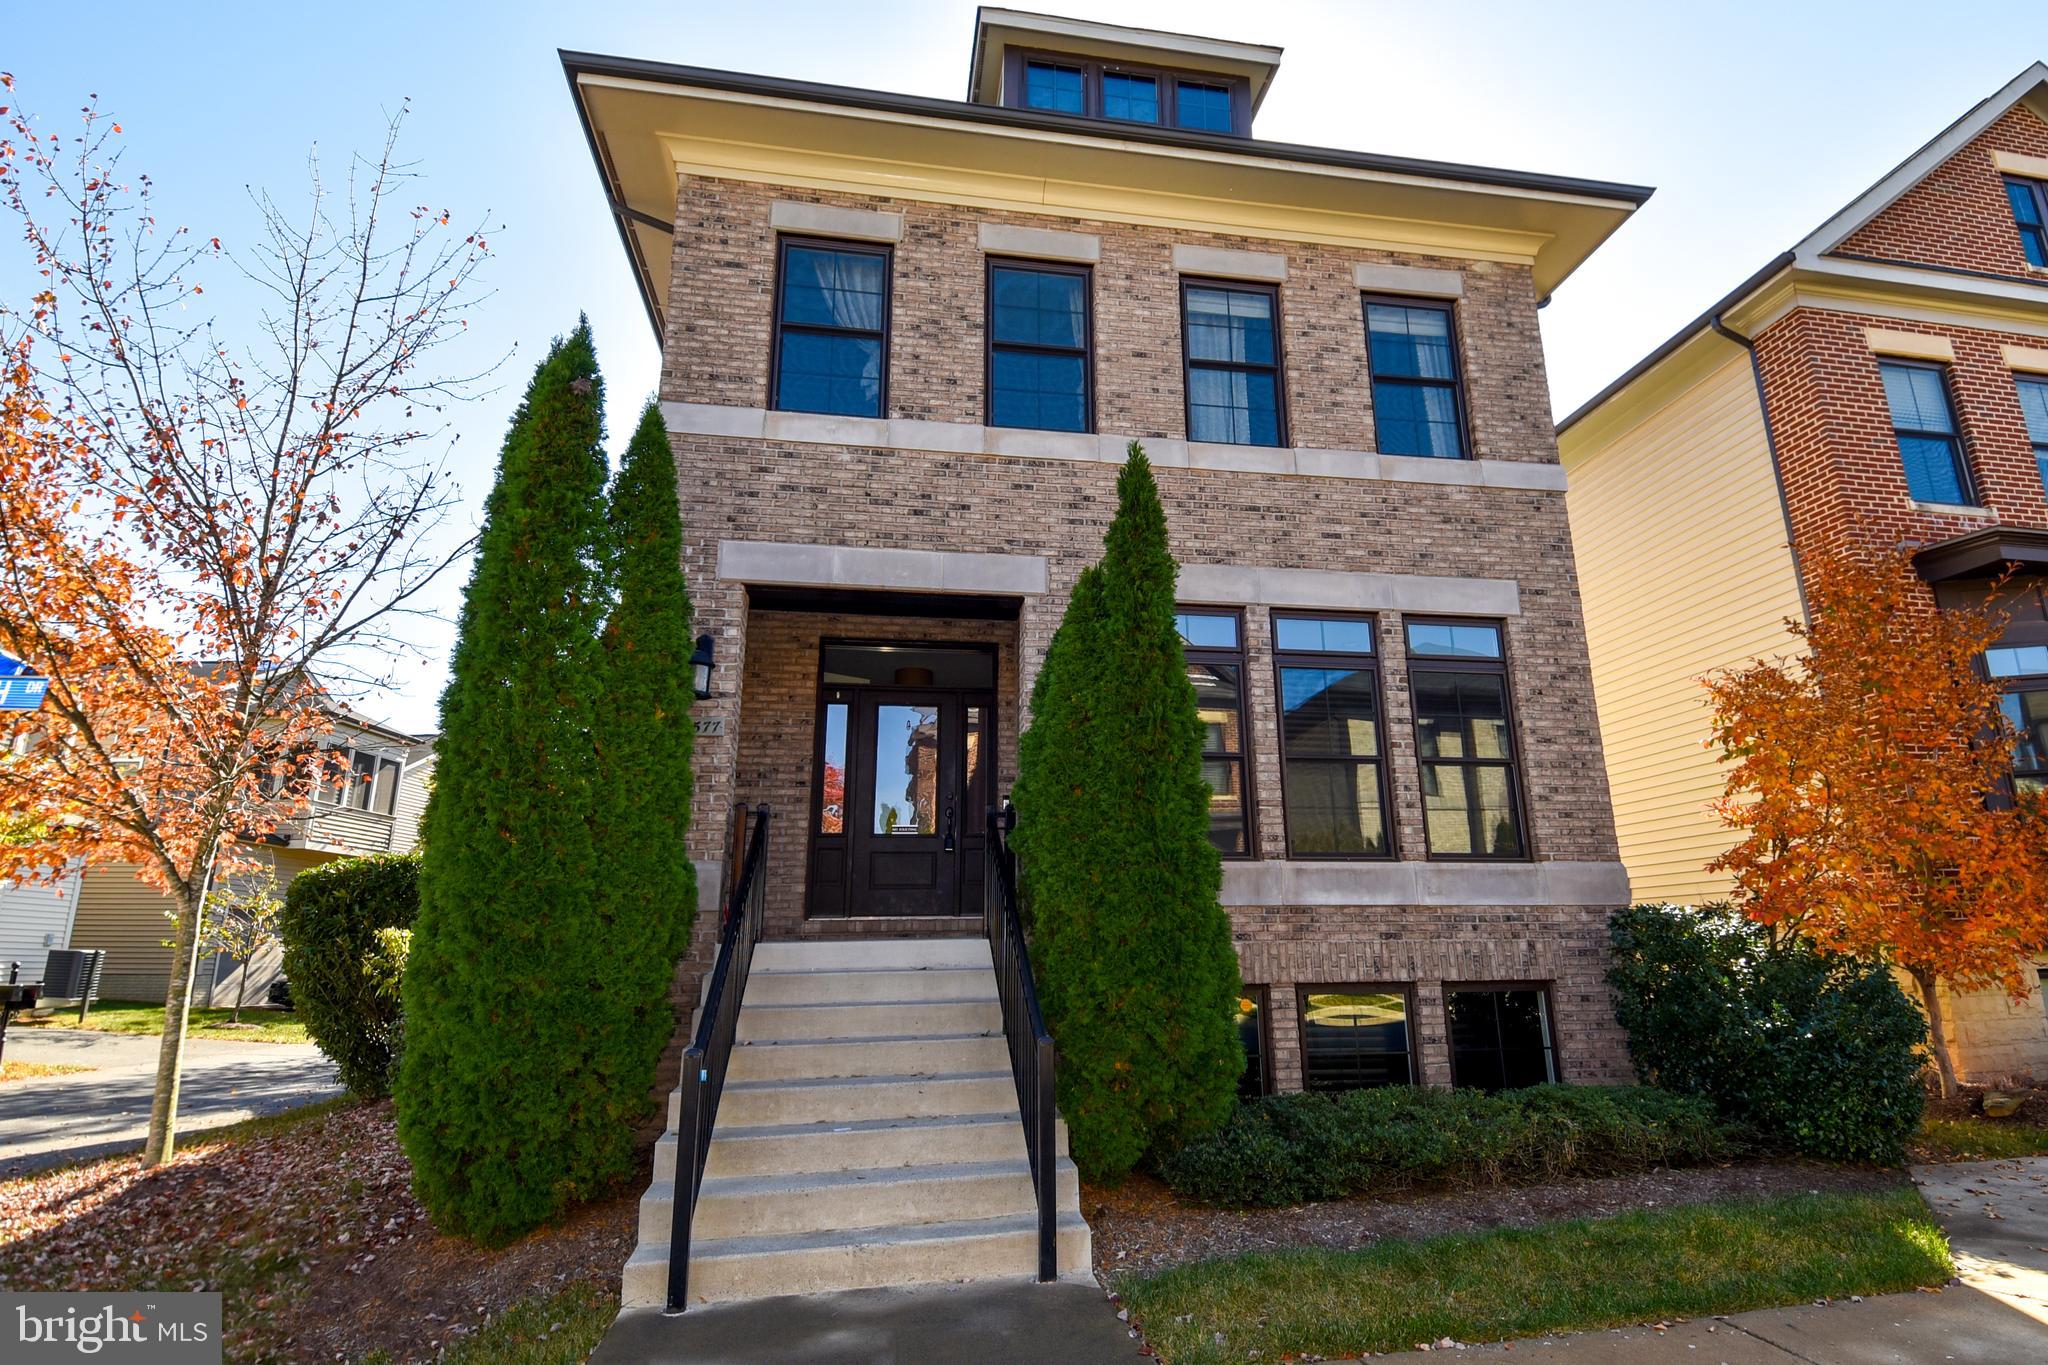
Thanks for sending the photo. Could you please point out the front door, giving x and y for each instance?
(902, 804)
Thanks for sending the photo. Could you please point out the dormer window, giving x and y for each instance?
(1118, 92)
(1203, 106)
(1062, 89)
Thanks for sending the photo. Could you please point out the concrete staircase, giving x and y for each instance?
(868, 1135)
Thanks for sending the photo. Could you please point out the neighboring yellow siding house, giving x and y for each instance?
(1669, 601)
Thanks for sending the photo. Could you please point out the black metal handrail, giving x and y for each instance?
(704, 1061)
(1031, 1047)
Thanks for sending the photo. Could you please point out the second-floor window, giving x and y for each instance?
(1464, 740)
(1333, 781)
(1233, 363)
(831, 328)
(1417, 405)
(1215, 661)
(1038, 337)
(1925, 426)
(2034, 404)
(370, 784)
(2029, 200)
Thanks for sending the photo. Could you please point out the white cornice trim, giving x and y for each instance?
(966, 438)
(1561, 884)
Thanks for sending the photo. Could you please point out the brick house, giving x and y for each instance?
(905, 344)
(1883, 384)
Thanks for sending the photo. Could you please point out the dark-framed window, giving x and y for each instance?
(2034, 405)
(1355, 1036)
(1202, 105)
(1418, 400)
(1040, 341)
(1130, 96)
(1056, 86)
(1464, 739)
(1501, 1035)
(831, 327)
(370, 782)
(1924, 422)
(1127, 92)
(1333, 783)
(2029, 200)
(1231, 342)
(1251, 1031)
(1213, 642)
(2023, 671)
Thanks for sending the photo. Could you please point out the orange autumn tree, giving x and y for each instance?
(211, 514)
(1868, 781)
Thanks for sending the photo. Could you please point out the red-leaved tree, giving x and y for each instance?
(1867, 777)
(207, 531)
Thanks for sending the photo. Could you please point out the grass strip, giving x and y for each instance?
(1978, 1140)
(138, 1018)
(1563, 1277)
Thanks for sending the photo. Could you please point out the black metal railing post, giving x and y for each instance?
(710, 1049)
(1032, 1055)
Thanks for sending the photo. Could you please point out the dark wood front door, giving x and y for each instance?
(905, 835)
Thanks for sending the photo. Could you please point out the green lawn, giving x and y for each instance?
(1607, 1272)
(131, 1016)
(1978, 1139)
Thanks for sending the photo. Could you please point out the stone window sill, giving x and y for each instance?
(1953, 509)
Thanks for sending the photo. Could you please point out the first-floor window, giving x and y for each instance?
(2023, 668)
(1333, 779)
(1354, 1036)
(1215, 660)
(1464, 740)
(1500, 1036)
(1251, 1031)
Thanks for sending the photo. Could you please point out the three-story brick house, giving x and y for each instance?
(1883, 385)
(905, 344)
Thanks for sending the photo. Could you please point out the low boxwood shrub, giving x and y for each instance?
(347, 926)
(1817, 1053)
(1293, 1149)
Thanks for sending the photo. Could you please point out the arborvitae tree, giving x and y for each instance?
(510, 1098)
(1132, 948)
(645, 735)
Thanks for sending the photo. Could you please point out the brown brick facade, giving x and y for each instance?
(755, 490)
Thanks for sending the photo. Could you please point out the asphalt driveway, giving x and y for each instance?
(50, 1119)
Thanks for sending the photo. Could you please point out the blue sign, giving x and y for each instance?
(21, 688)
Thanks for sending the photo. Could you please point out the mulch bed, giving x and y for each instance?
(1968, 1103)
(1141, 1226)
(312, 1234)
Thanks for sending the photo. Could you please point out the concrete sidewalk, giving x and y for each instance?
(982, 1322)
(1996, 1216)
(51, 1119)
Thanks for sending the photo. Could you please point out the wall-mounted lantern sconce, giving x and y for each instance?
(700, 667)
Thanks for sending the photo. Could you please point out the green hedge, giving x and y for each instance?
(346, 928)
(1819, 1053)
(1292, 1149)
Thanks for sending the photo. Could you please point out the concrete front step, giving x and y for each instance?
(791, 1148)
(847, 1099)
(884, 1198)
(824, 1058)
(871, 953)
(840, 986)
(818, 1262)
(878, 1019)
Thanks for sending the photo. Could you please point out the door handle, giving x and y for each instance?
(949, 829)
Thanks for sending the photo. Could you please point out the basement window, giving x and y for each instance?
(1353, 1037)
(1500, 1037)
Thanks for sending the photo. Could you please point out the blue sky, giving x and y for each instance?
(1755, 121)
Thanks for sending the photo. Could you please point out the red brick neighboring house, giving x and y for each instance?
(1884, 384)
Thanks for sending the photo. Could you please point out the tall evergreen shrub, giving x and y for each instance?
(1129, 942)
(645, 735)
(513, 1093)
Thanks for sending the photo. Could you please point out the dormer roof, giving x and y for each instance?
(996, 31)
